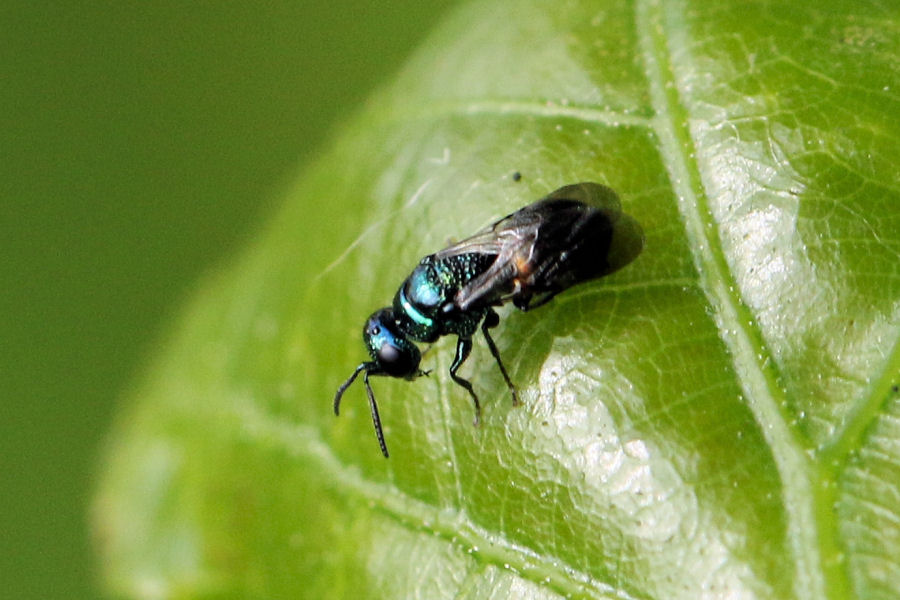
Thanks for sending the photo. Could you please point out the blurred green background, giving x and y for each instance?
(141, 145)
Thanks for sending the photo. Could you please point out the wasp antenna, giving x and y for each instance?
(346, 384)
(376, 420)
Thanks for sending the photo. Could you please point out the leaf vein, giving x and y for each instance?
(658, 27)
(452, 525)
(546, 109)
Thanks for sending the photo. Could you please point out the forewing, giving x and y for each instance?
(493, 239)
(527, 244)
(483, 242)
(512, 239)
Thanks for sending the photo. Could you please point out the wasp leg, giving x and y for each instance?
(525, 304)
(463, 347)
(491, 320)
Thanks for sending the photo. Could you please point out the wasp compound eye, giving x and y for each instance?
(388, 347)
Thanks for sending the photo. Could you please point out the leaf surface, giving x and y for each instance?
(719, 419)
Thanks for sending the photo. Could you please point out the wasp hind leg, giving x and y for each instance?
(463, 348)
(491, 319)
(526, 303)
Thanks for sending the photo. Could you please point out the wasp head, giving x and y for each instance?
(392, 354)
(391, 350)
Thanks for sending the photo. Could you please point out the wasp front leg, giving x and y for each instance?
(463, 348)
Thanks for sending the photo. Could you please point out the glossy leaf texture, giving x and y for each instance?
(719, 419)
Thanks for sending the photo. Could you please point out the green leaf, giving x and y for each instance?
(719, 419)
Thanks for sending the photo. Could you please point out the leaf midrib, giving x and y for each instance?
(751, 358)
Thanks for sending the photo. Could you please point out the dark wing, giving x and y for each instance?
(493, 239)
(509, 239)
(539, 246)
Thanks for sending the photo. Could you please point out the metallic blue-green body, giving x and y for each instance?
(423, 306)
